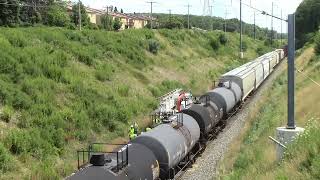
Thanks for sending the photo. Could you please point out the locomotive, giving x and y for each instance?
(165, 150)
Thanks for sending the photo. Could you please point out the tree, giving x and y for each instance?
(57, 16)
(107, 22)
(307, 20)
(317, 42)
(117, 24)
(172, 23)
(33, 11)
(121, 11)
(9, 14)
(115, 9)
(75, 15)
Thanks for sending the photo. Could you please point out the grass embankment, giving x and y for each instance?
(61, 89)
(254, 157)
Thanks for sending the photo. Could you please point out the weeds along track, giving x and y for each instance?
(207, 162)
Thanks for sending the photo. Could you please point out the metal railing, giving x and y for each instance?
(122, 155)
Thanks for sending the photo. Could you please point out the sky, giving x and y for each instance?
(220, 7)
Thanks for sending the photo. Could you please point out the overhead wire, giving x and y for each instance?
(305, 75)
(28, 5)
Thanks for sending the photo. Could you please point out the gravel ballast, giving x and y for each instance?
(206, 165)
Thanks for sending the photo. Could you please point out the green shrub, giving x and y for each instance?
(84, 55)
(117, 24)
(17, 38)
(104, 72)
(154, 46)
(45, 170)
(155, 91)
(7, 113)
(29, 141)
(261, 50)
(223, 39)
(57, 16)
(123, 90)
(6, 160)
(214, 43)
(244, 46)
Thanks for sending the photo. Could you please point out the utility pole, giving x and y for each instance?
(79, 9)
(211, 9)
(211, 14)
(291, 71)
(254, 25)
(241, 53)
(151, 6)
(281, 29)
(188, 15)
(169, 15)
(272, 25)
(225, 20)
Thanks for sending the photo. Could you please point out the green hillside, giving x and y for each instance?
(62, 88)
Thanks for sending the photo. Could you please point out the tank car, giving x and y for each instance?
(171, 142)
(134, 161)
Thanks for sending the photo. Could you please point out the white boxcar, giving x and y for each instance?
(266, 67)
(280, 53)
(273, 60)
(258, 70)
(277, 56)
(244, 77)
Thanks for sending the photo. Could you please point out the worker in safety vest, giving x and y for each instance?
(136, 128)
(132, 134)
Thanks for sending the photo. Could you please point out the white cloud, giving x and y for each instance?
(178, 7)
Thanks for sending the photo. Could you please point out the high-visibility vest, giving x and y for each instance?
(132, 134)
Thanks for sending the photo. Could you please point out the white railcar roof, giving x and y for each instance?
(243, 70)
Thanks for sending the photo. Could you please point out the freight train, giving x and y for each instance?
(165, 150)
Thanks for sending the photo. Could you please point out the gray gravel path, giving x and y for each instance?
(206, 165)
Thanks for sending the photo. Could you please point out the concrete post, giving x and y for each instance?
(286, 136)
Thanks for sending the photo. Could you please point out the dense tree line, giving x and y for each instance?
(307, 21)
(50, 12)
(213, 23)
(14, 12)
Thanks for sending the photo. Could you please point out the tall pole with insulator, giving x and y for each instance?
(79, 14)
(151, 8)
(188, 15)
(254, 25)
(281, 28)
(272, 25)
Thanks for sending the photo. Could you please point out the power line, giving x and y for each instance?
(263, 12)
(28, 5)
(305, 75)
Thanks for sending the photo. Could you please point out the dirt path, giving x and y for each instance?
(206, 165)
